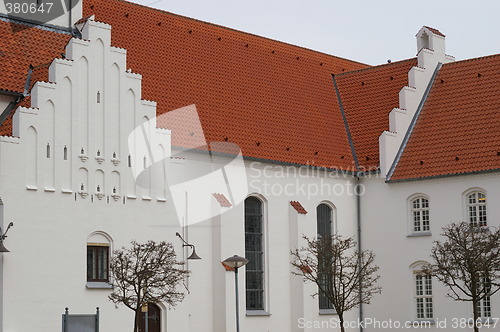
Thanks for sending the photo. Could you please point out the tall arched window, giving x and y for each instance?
(420, 214)
(324, 225)
(254, 252)
(422, 281)
(476, 208)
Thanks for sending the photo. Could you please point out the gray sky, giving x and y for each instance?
(370, 31)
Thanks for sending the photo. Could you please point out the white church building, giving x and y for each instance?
(120, 122)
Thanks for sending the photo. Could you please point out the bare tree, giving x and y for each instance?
(468, 263)
(146, 273)
(346, 276)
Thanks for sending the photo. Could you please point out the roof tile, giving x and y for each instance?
(457, 131)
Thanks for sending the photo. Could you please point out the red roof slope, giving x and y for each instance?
(27, 46)
(275, 100)
(458, 130)
(368, 96)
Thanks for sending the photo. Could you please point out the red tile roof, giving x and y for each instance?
(435, 31)
(298, 207)
(458, 128)
(25, 47)
(223, 201)
(275, 100)
(20, 48)
(368, 95)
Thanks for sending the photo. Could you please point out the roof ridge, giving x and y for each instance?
(375, 67)
(240, 31)
(473, 59)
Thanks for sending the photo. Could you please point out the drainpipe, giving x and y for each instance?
(358, 176)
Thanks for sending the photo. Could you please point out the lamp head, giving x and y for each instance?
(235, 261)
(194, 255)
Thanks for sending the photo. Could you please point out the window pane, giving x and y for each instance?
(90, 263)
(428, 308)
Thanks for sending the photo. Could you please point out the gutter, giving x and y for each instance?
(359, 176)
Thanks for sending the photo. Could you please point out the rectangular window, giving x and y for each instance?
(423, 296)
(97, 263)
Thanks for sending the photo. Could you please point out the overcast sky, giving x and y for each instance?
(370, 31)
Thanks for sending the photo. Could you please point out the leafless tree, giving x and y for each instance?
(146, 273)
(346, 276)
(467, 262)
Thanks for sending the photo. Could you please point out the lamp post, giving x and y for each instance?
(236, 262)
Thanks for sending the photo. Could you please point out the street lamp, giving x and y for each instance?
(3, 236)
(236, 262)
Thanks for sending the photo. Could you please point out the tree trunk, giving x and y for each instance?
(475, 313)
(341, 320)
(137, 317)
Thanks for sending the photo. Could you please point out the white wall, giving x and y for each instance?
(385, 223)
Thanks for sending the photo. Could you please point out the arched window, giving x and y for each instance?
(98, 253)
(476, 208)
(324, 226)
(254, 252)
(422, 283)
(324, 220)
(420, 214)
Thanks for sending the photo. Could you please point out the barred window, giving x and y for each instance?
(420, 214)
(324, 229)
(97, 263)
(476, 208)
(254, 252)
(423, 296)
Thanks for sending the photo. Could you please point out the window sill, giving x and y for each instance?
(99, 285)
(419, 234)
(327, 312)
(424, 322)
(257, 313)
